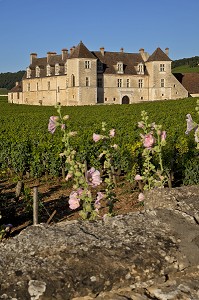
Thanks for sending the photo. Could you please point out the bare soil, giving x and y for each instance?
(53, 202)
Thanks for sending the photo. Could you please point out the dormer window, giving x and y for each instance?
(65, 68)
(57, 69)
(37, 71)
(120, 68)
(140, 68)
(48, 70)
(28, 70)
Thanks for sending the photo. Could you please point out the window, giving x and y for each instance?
(87, 81)
(128, 83)
(17, 95)
(162, 68)
(37, 71)
(99, 82)
(140, 68)
(37, 86)
(162, 84)
(28, 87)
(48, 85)
(87, 64)
(72, 80)
(119, 83)
(120, 67)
(48, 70)
(28, 70)
(140, 83)
(57, 69)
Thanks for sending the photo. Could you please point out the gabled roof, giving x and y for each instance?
(158, 55)
(81, 52)
(190, 81)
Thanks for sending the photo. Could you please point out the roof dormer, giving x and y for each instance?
(140, 68)
(28, 73)
(37, 71)
(48, 70)
(57, 69)
(120, 67)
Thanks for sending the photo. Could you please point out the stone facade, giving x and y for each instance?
(84, 77)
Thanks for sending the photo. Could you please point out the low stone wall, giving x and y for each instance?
(153, 254)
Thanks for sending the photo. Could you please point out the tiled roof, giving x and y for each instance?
(190, 81)
(158, 55)
(40, 62)
(110, 60)
(17, 88)
(81, 52)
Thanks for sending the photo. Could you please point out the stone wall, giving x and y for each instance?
(151, 254)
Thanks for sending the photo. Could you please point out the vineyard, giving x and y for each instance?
(28, 151)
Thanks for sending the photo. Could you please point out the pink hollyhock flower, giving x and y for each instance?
(163, 136)
(93, 177)
(141, 197)
(63, 126)
(74, 201)
(190, 124)
(138, 177)
(52, 125)
(148, 141)
(97, 203)
(96, 137)
(112, 132)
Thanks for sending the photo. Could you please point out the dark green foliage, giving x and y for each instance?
(8, 80)
(191, 171)
(191, 62)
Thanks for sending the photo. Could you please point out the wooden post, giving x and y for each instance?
(35, 205)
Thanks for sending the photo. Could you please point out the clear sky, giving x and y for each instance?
(40, 26)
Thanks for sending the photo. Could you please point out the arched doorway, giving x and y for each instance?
(125, 100)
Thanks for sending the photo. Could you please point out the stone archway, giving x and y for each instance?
(125, 100)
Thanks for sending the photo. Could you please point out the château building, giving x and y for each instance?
(84, 77)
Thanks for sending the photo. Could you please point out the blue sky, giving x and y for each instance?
(50, 25)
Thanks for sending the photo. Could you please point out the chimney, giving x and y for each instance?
(50, 54)
(72, 49)
(167, 51)
(102, 50)
(16, 83)
(141, 51)
(32, 57)
(122, 50)
(64, 54)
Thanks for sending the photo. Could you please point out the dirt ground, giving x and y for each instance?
(53, 202)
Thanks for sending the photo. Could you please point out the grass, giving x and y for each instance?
(185, 69)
